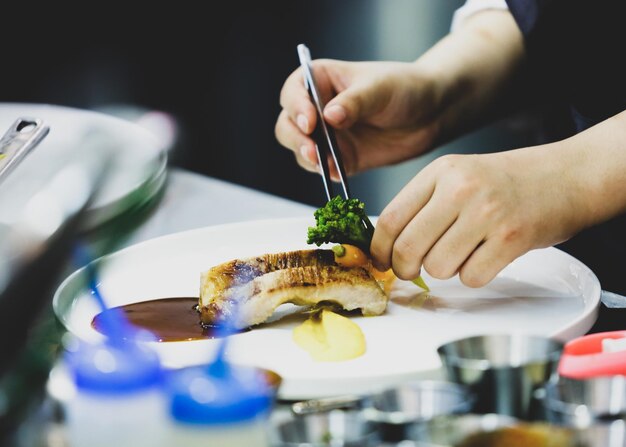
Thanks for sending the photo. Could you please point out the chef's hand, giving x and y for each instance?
(474, 214)
(388, 112)
(383, 112)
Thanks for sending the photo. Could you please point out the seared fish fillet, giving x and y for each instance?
(245, 292)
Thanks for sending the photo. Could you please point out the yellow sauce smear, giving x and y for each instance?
(330, 337)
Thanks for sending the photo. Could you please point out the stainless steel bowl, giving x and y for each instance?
(418, 401)
(503, 371)
(581, 403)
(394, 411)
(397, 410)
(334, 428)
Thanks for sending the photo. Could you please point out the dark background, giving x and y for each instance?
(218, 73)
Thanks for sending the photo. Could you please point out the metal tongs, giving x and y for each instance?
(23, 135)
(323, 135)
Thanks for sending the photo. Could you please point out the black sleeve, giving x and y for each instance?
(577, 46)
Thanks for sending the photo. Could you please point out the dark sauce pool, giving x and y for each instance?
(169, 319)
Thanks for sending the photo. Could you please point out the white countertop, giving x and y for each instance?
(193, 201)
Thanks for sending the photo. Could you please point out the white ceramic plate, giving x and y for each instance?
(140, 164)
(546, 292)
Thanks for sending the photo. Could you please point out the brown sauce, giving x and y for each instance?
(169, 319)
(531, 435)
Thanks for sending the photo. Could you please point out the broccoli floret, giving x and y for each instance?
(343, 222)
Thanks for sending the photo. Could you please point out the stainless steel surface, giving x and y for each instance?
(395, 411)
(580, 403)
(503, 371)
(594, 408)
(324, 135)
(418, 401)
(335, 428)
(399, 410)
(21, 138)
(613, 300)
(327, 404)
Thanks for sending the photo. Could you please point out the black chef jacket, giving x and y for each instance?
(577, 57)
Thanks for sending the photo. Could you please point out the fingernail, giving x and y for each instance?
(378, 266)
(304, 150)
(335, 113)
(303, 123)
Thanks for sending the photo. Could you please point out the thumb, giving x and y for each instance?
(351, 105)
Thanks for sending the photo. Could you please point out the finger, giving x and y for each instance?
(353, 104)
(397, 214)
(332, 168)
(293, 139)
(295, 100)
(454, 247)
(334, 171)
(290, 136)
(420, 235)
(487, 261)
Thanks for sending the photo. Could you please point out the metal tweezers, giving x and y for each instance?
(323, 135)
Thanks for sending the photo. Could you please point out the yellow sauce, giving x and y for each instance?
(330, 337)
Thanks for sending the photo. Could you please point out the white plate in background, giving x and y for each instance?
(545, 292)
(138, 171)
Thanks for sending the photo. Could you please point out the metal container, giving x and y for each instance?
(503, 371)
(578, 403)
(397, 410)
(595, 408)
(334, 428)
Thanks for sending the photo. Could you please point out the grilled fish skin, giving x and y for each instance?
(245, 292)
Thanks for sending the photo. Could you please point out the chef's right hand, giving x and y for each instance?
(384, 113)
(475, 214)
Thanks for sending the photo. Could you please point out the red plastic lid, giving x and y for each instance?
(583, 358)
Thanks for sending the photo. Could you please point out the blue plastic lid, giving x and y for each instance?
(218, 394)
(113, 367)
